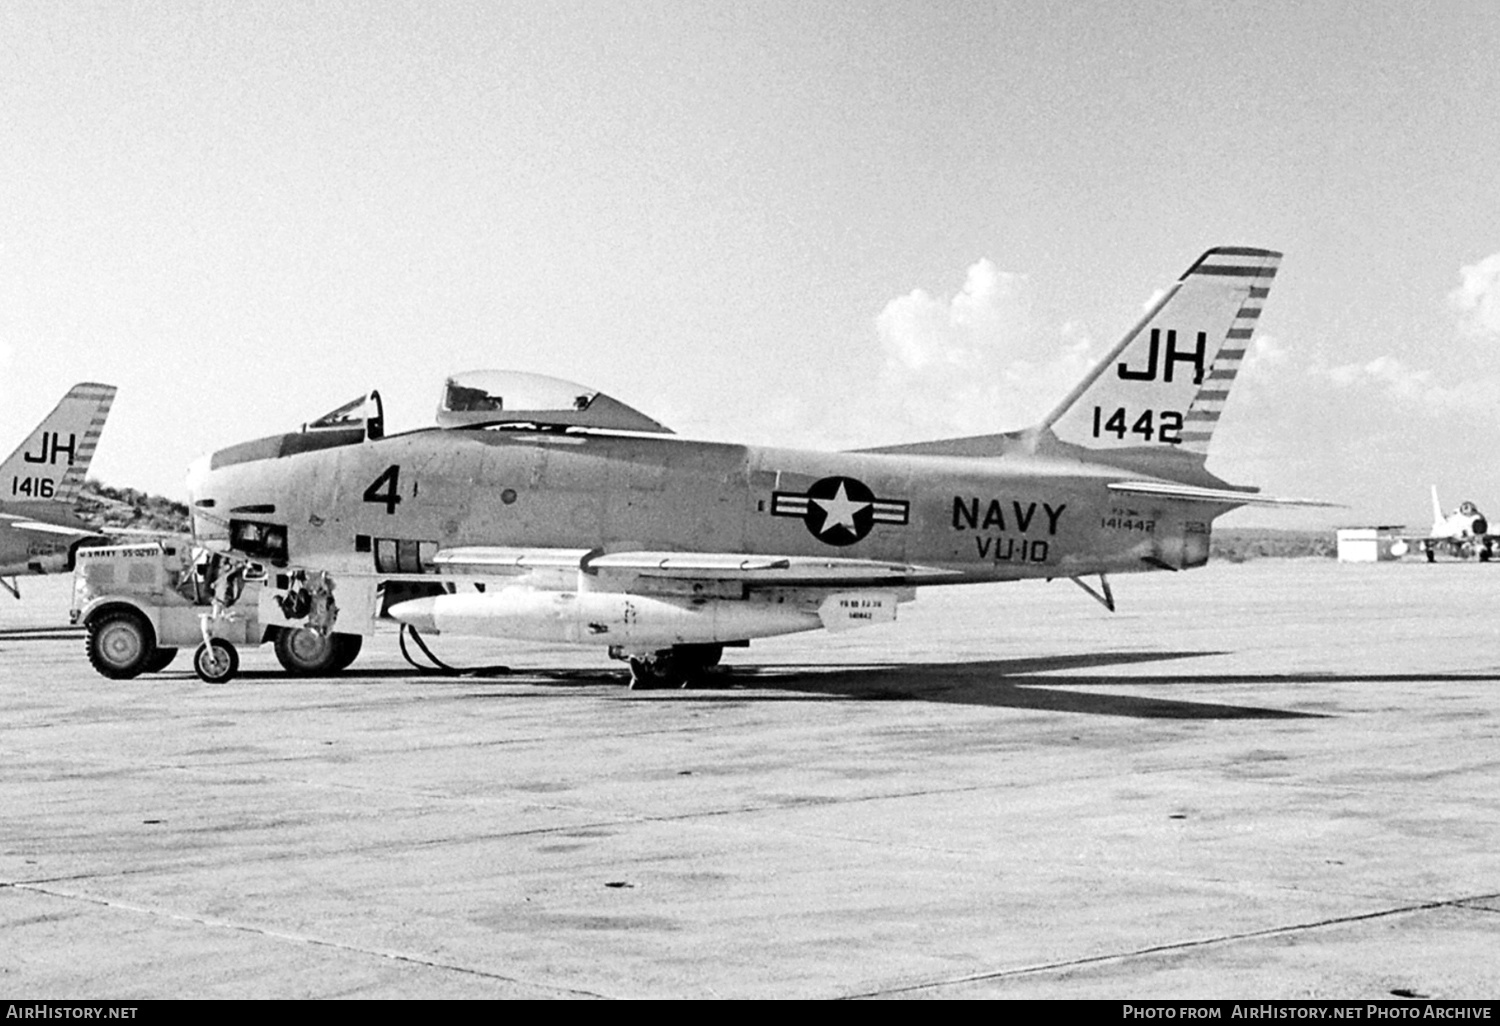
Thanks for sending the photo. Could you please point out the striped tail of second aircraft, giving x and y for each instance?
(51, 462)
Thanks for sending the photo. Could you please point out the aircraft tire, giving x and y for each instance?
(346, 650)
(160, 660)
(120, 644)
(698, 657)
(216, 662)
(656, 672)
(306, 653)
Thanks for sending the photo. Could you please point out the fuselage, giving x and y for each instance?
(387, 505)
(1460, 526)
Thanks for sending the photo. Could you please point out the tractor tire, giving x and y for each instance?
(160, 660)
(121, 644)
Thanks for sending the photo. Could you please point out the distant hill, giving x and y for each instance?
(103, 507)
(1237, 544)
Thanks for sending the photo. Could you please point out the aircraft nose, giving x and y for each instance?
(416, 613)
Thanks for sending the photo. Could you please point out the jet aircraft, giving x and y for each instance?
(39, 482)
(1463, 533)
(541, 510)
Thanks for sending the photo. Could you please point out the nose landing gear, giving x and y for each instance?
(216, 661)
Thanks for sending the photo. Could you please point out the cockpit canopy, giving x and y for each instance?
(485, 397)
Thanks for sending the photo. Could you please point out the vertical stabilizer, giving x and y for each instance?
(1439, 522)
(50, 464)
(1163, 386)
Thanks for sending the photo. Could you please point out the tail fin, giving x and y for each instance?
(1162, 387)
(50, 464)
(1439, 522)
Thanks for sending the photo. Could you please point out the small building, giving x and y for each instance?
(1371, 544)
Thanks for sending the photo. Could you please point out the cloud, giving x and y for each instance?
(1384, 372)
(920, 332)
(976, 362)
(1266, 354)
(1378, 385)
(1477, 300)
(959, 365)
(1449, 388)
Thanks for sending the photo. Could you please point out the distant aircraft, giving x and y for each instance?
(546, 511)
(39, 482)
(1463, 533)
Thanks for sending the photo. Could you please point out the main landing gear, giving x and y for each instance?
(677, 667)
(303, 652)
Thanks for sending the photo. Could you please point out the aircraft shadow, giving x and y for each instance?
(1014, 684)
(1029, 684)
(996, 683)
(1024, 683)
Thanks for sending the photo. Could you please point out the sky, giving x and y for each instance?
(811, 225)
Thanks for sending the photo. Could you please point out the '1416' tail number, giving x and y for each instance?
(1160, 425)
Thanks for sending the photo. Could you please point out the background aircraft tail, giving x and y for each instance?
(50, 463)
(1439, 522)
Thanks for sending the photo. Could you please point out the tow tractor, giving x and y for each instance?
(141, 603)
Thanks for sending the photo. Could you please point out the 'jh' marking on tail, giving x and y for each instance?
(1174, 356)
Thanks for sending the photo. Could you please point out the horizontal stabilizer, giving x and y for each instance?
(1192, 493)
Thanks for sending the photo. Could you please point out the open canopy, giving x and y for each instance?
(483, 397)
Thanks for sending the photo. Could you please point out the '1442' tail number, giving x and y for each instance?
(1160, 425)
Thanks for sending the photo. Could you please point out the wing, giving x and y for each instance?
(28, 526)
(753, 570)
